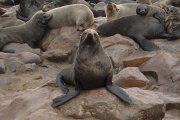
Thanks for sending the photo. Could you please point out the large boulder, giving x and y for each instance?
(96, 104)
(131, 77)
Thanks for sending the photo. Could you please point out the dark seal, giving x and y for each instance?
(92, 69)
(28, 8)
(30, 32)
(140, 29)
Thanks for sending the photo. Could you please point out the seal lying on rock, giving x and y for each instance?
(139, 28)
(28, 8)
(151, 11)
(114, 11)
(77, 15)
(92, 69)
(30, 32)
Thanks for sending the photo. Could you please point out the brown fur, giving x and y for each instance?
(30, 32)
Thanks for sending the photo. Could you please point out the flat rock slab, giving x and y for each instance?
(96, 104)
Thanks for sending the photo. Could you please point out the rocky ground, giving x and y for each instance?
(152, 80)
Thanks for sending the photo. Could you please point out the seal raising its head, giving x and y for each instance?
(92, 69)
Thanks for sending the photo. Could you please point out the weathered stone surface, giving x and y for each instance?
(172, 115)
(13, 63)
(18, 48)
(96, 104)
(131, 77)
(6, 79)
(169, 45)
(27, 67)
(28, 57)
(65, 38)
(11, 11)
(2, 66)
(6, 55)
(118, 47)
(56, 55)
(138, 58)
(162, 65)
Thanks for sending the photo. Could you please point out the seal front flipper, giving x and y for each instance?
(60, 82)
(65, 98)
(19, 16)
(146, 44)
(117, 91)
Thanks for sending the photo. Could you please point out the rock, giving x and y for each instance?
(169, 45)
(6, 55)
(65, 39)
(27, 67)
(138, 58)
(131, 77)
(11, 11)
(13, 63)
(96, 104)
(2, 66)
(99, 20)
(118, 47)
(56, 55)
(162, 64)
(6, 79)
(172, 115)
(28, 57)
(18, 48)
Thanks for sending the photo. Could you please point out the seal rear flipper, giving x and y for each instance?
(146, 44)
(60, 82)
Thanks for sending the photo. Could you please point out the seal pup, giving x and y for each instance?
(30, 32)
(28, 8)
(92, 69)
(151, 11)
(114, 11)
(77, 15)
(140, 29)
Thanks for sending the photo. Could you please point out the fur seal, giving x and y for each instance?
(148, 2)
(10, 2)
(60, 3)
(92, 69)
(9, 21)
(160, 3)
(28, 8)
(30, 32)
(114, 11)
(140, 29)
(151, 11)
(77, 15)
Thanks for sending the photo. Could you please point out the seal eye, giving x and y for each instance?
(86, 19)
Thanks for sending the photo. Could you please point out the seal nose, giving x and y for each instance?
(90, 39)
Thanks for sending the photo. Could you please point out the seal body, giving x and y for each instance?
(92, 69)
(139, 28)
(114, 11)
(151, 11)
(30, 32)
(71, 15)
(28, 8)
